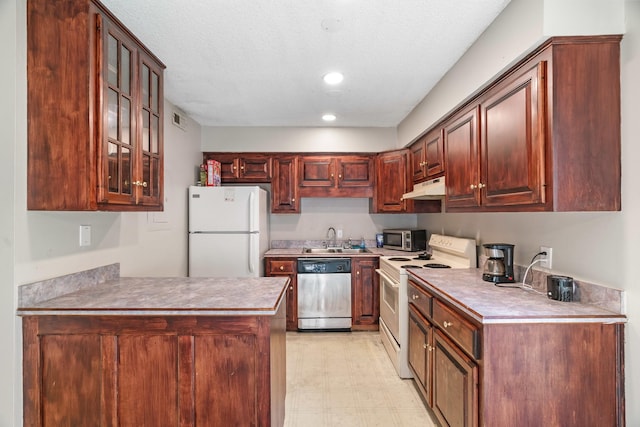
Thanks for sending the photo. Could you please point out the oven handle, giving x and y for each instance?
(387, 278)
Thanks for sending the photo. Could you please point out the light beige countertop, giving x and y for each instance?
(150, 296)
(487, 303)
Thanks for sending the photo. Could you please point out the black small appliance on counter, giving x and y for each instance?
(560, 288)
(499, 266)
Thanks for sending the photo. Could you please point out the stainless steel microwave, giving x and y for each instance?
(410, 240)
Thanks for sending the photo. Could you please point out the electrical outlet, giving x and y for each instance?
(546, 259)
(85, 235)
(339, 234)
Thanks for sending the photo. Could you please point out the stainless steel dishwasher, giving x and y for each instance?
(324, 294)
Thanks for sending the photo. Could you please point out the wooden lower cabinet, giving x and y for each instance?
(286, 267)
(421, 353)
(365, 294)
(518, 373)
(153, 371)
(455, 384)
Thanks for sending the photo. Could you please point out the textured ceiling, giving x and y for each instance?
(261, 62)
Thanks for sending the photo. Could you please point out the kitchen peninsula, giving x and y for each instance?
(155, 351)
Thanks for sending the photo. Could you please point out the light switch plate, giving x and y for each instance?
(85, 235)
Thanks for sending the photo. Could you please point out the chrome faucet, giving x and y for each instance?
(332, 236)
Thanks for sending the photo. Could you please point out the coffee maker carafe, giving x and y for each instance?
(499, 265)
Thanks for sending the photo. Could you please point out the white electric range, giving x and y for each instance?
(445, 252)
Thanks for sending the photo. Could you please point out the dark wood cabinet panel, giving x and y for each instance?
(513, 136)
(155, 370)
(242, 167)
(549, 137)
(336, 176)
(421, 353)
(365, 288)
(391, 182)
(95, 112)
(455, 384)
(427, 156)
(284, 185)
(286, 267)
(462, 144)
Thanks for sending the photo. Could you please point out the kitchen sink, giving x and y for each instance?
(335, 251)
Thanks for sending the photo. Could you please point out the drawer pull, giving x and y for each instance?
(430, 347)
(282, 268)
(447, 324)
(425, 346)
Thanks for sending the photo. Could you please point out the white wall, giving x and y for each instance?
(294, 139)
(10, 362)
(600, 247)
(349, 215)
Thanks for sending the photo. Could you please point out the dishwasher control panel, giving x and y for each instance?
(324, 265)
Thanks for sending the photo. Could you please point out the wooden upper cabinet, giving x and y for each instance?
(503, 164)
(284, 185)
(461, 140)
(392, 181)
(427, 156)
(336, 176)
(544, 137)
(95, 111)
(243, 167)
(513, 136)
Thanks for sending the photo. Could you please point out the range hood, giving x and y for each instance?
(428, 190)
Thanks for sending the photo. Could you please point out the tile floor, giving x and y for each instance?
(346, 379)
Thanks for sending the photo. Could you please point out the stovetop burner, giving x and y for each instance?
(436, 265)
(410, 266)
(398, 258)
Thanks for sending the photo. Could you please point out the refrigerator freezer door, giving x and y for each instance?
(225, 255)
(226, 209)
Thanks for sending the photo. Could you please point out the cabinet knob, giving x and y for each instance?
(140, 183)
(473, 186)
(293, 200)
(242, 167)
(357, 273)
(447, 324)
(340, 176)
(281, 267)
(430, 347)
(481, 185)
(415, 297)
(290, 288)
(424, 346)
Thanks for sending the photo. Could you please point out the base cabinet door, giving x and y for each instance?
(286, 267)
(420, 352)
(154, 371)
(365, 290)
(455, 384)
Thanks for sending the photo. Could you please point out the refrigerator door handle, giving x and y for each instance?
(251, 266)
(252, 208)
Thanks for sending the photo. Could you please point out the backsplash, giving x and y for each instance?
(44, 290)
(294, 244)
(587, 293)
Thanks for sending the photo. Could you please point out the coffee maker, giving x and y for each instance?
(499, 265)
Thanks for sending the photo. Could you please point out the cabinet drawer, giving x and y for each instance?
(276, 266)
(466, 334)
(420, 299)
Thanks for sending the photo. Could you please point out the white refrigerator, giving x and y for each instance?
(228, 231)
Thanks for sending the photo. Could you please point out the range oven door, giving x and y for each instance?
(389, 303)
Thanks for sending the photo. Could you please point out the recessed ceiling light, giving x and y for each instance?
(329, 117)
(333, 78)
